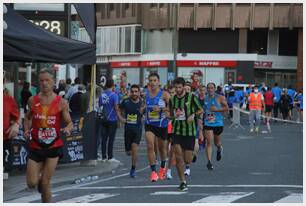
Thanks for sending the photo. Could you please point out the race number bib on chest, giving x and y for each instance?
(47, 135)
(181, 115)
(131, 119)
(154, 116)
(210, 117)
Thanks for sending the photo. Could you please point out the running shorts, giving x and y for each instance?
(43, 154)
(160, 132)
(216, 130)
(186, 142)
(131, 136)
(269, 108)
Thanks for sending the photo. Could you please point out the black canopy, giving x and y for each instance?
(26, 42)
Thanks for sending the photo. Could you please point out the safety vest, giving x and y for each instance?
(255, 102)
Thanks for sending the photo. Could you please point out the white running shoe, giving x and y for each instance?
(187, 172)
(169, 176)
(251, 130)
(257, 129)
(113, 160)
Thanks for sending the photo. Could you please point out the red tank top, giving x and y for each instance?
(268, 98)
(46, 124)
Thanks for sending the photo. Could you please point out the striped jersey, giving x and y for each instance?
(182, 108)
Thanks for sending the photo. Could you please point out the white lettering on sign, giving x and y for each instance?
(259, 64)
(209, 63)
(154, 63)
(126, 64)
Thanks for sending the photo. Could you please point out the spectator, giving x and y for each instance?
(291, 93)
(239, 95)
(61, 90)
(73, 89)
(68, 84)
(256, 103)
(230, 101)
(277, 94)
(77, 104)
(285, 104)
(25, 95)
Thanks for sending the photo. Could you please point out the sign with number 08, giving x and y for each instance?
(53, 26)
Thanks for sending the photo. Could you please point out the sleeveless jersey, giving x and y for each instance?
(46, 124)
(153, 118)
(212, 119)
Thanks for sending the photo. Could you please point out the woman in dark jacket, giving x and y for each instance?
(285, 104)
(25, 95)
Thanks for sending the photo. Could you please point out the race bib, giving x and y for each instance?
(182, 115)
(210, 118)
(131, 119)
(47, 135)
(154, 116)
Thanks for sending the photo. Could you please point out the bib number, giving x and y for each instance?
(181, 116)
(46, 135)
(131, 119)
(154, 116)
(210, 118)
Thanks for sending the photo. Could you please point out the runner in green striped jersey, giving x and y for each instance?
(183, 107)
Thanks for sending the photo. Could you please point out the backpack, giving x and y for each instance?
(102, 113)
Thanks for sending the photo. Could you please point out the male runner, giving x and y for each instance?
(183, 109)
(156, 125)
(133, 127)
(213, 122)
(43, 124)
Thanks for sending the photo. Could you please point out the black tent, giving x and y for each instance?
(26, 42)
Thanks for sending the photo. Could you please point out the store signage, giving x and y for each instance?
(124, 64)
(163, 63)
(57, 27)
(196, 63)
(260, 64)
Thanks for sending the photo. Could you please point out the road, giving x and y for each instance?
(256, 168)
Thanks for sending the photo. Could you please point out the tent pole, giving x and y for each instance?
(93, 88)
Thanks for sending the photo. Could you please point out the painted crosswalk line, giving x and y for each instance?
(88, 198)
(292, 198)
(27, 199)
(224, 197)
(168, 193)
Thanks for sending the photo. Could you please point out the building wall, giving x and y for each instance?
(157, 41)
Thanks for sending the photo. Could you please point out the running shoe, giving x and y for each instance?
(162, 173)
(132, 173)
(183, 187)
(209, 166)
(194, 158)
(219, 153)
(187, 172)
(169, 176)
(154, 177)
(251, 130)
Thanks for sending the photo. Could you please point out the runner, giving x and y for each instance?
(291, 93)
(42, 123)
(268, 96)
(156, 125)
(256, 104)
(213, 123)
(300, 102)
(133, 128)
(183, 108)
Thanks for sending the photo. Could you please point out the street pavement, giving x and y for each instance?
(255, 168)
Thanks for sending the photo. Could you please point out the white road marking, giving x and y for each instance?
(168, 193)
(292, 198)
(196, 186)
(260, 173)
(88, 198)
(224, 197)
(27, 199)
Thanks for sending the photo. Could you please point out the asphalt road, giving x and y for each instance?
(255, 168)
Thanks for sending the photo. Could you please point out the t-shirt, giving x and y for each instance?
(239, 96)
(277, 93)
(291, 93)
(269, 98)
(109, 99)
(132, 113)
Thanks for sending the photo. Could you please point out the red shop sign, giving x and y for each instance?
(124, 64)
(204, 63)
(259, 64)
(162, 63)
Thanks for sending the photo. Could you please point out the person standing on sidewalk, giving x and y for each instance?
(268, 96)
(109, 112)
(277, 95)
(214, 107)
(133, 125)
(156, 102)
(43, 124)
(183, 107)
(256, 104)
(285, 104)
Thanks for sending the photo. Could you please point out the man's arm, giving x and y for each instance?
(166, 97)
(224, 107)
(66, 116)
(28, 119)
(117, 109)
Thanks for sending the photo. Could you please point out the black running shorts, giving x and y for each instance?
(43, 154)
(216, 130)
(131, 136)
(160, 132)
(186, 142)
(269, 108)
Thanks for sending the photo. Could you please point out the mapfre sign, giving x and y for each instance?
(190, 63)
(263, 64)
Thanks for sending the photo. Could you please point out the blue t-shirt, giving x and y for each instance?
(239, 96)
(300, 99)
(109, 99)
(291, 93)
(277, 93)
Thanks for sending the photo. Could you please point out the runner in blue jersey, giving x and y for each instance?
(291, 93)
(156, 124)
(213, 123)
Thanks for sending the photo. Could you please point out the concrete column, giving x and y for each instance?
(299, 71)
(243, 40)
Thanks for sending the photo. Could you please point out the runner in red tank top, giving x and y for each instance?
(43, 124)
(269, 102)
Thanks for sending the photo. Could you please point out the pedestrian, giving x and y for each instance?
(285, 104)
(68, 84)
(268, 97)
(277, 94)
(73, 89)
(214, 107)
(256, 104)
(300, 104)
(109, 113)
(61, 88)
(239, 96)
(25, 95)
(78, 103)
(231, 99)
(156, 124)
(133, 110)
(183, 107)
(291, 93)
(43, 124)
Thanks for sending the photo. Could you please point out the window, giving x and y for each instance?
(257, 41)
(161, 5)
(288, 42)
(111, 7)
(153, 5)
(126, 6)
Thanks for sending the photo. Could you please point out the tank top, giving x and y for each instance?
(212, 119)
(153, 118)
(46, 124)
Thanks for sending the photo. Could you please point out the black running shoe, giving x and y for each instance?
(219, 153)
(209, 166)
(183, 187)
(194, 158)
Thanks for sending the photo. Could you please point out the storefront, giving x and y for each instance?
(126, 72)
(160, 67)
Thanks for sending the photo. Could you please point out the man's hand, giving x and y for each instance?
(66, 131)
(213, 109)
(13, 130)
(122, 120)
(27, 134)
(190, 118)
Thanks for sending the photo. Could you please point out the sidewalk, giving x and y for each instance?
(64, 174)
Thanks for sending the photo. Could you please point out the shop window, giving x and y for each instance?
(288, 42)
(126, 6)
(111, 7)
(257, 41)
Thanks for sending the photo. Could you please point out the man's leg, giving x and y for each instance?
(162, 148)
(257, 118)
(179, 162)
(275, 109)
(251, 120)
(134, 154)
(150, 138)
(111, 140)
(104, 137)
(47, 173)
(188, 156)
(33, 173)
(209, 138)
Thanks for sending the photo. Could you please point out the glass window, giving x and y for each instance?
(128, 39)
(288, 42)
(257, 41)
(132, 75)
